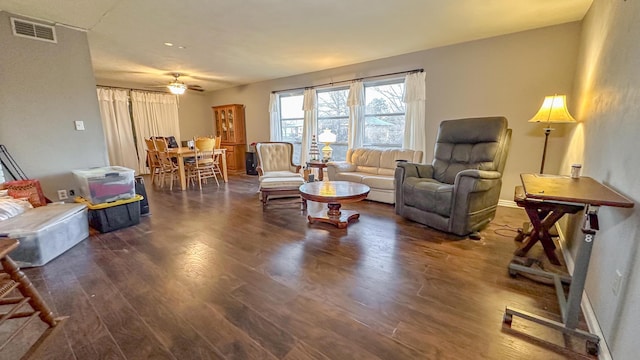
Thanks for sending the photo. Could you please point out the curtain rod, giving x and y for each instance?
(126, 88)
(346, 81)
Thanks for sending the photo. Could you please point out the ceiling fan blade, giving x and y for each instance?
(195, 88)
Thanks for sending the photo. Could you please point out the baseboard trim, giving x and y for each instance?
(507, 203)
(587, 309)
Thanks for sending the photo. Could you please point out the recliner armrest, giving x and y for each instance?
(475, 181)
(480, 174)
(416, 170)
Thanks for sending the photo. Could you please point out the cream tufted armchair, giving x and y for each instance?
(275, 160)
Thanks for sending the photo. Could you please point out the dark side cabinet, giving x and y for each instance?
(251, 163)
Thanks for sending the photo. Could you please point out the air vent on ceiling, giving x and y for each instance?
(33, 30)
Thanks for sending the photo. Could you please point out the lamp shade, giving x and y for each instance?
(327, 136)
(553, 110)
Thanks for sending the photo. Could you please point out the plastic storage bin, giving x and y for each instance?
(46, 232)
(105, 184)
(115, 215)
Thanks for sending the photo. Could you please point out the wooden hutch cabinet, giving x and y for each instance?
(229, 122)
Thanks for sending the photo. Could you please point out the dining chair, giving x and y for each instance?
(204, 166)
(217, 157)
(167, 166)
(153, 162)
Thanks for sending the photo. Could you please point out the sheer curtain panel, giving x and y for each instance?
(356, 104)
(309, 106)
(116, 122)
(415, 127)
(154, 114)
(274, 118)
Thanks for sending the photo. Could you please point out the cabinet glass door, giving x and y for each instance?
(223, 123)
(231, 129)
(216, 116)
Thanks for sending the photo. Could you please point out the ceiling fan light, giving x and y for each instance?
(177, 87)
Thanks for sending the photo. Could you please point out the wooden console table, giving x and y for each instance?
(554, 196)
(320, 165)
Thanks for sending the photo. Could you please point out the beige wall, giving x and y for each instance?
(606, 142)
(506, 75)
(45, 88)
(195, 115)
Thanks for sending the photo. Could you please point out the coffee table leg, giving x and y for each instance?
(334, 210)
(335, 216)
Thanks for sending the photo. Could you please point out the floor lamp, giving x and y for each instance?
(553, 110)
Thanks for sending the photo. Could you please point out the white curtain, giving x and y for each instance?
(356, 104)
(116, 122)
(415, 122)
(154, 114)
(310, 123)
(274, 118)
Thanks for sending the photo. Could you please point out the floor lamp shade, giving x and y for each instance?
(553, 110)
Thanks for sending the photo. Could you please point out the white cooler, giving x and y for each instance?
(46, 232)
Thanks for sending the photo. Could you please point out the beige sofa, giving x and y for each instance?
(372, 167)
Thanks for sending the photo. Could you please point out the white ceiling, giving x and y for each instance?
(233, 42)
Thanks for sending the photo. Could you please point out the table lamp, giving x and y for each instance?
(327, 137)
(553, 110)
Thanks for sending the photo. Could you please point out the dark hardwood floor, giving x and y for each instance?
(210, 275)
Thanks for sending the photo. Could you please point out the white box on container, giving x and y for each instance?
(106, 184)
(46, 232)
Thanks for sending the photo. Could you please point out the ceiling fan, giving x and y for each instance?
(177, 87)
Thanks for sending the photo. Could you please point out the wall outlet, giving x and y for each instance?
(617, 282)
(62, 195)
(79, 125)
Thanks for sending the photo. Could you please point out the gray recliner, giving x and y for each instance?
(458, 193)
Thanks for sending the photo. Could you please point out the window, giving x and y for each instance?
(333, 114)
(291, 121)
(384, 114)
(383, 124)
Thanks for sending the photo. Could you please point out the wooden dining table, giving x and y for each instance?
(185, 152)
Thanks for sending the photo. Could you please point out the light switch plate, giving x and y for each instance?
(79, 125)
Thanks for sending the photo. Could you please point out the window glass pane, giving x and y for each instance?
(292, 130)
(384, 115)
(384, 99)
(291, 121)
(333, 103)
(333, 114)
(291, 106)
(384, 130)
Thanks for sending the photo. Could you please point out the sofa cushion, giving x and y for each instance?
(350, 176)
(367, 169)
(428, 195)
(379, 182)
(388, 158)
(279, 174)
(367, 158)
(281, 182)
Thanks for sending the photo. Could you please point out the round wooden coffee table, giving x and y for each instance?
(334, 194)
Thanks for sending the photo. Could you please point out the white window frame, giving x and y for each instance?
(362, 126)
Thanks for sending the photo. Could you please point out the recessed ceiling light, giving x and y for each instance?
(168, 44)
(182, 47)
